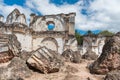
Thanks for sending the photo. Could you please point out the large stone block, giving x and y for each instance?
(45, 60)
(110, 58)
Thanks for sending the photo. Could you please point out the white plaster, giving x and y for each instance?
(49, 44)
(60, 44)
(25, 40)
(94, 44)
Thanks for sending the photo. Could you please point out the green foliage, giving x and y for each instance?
(106, 33)
(89, 32)
(79, 38)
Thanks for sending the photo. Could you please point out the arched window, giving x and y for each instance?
(51, 26)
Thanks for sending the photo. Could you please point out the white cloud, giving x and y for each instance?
(107, 14)
(104, 13)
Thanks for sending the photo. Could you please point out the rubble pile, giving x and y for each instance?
(90, 55)
(72, 56)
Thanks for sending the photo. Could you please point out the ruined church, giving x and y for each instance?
(56, 32)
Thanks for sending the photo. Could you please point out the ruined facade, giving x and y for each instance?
(37, 34)
(93, 43)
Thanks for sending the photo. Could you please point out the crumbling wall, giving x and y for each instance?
(93, 43)
(71, 43)
(72, 23)
(62, 22)
(16, 16)
(25, 41)
(41, 23)
(56, 45)
(31, 38)
(1, 18)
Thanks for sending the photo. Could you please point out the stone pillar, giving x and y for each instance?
(72, 23)
(32, 17)
(1, 18)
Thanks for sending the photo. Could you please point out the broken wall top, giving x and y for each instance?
(16, 16)
(1, 18)
(61, 22)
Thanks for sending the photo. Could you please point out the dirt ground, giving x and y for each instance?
(70, 71)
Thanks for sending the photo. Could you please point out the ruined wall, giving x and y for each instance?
(71, 44)
(56, 45)
(25, 40)
(93, 43)
(62, 22)
(1, 18)
(41, 24)
(72, 24)
(38, 34)
(16, 16)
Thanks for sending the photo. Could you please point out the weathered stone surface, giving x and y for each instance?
(16, 70)
(9, 47)
(16, 16)
(1, 18)
(113, 75)
(71, 43)
(25, 55)
(37, 33)
(45, 60)
(93, 42)
(110, 57)
(90, 55)
(72, 56)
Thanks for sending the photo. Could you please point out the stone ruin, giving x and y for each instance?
(93, 43)
(41, 47)
(59, 38)
(43, 40)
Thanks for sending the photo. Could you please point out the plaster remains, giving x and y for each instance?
(93, 43)
(56, 32)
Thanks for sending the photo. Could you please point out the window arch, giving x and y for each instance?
(50, 25)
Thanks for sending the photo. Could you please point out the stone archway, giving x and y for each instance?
(50, 43)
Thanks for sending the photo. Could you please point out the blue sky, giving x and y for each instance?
(12, 2)
(90, 14)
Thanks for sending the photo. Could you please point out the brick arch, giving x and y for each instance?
(50, 43)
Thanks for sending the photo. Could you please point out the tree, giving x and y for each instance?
(89, 32)
(106, 33)
(79, 38)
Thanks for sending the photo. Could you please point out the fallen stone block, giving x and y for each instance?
(45, 60)
(109, 59)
